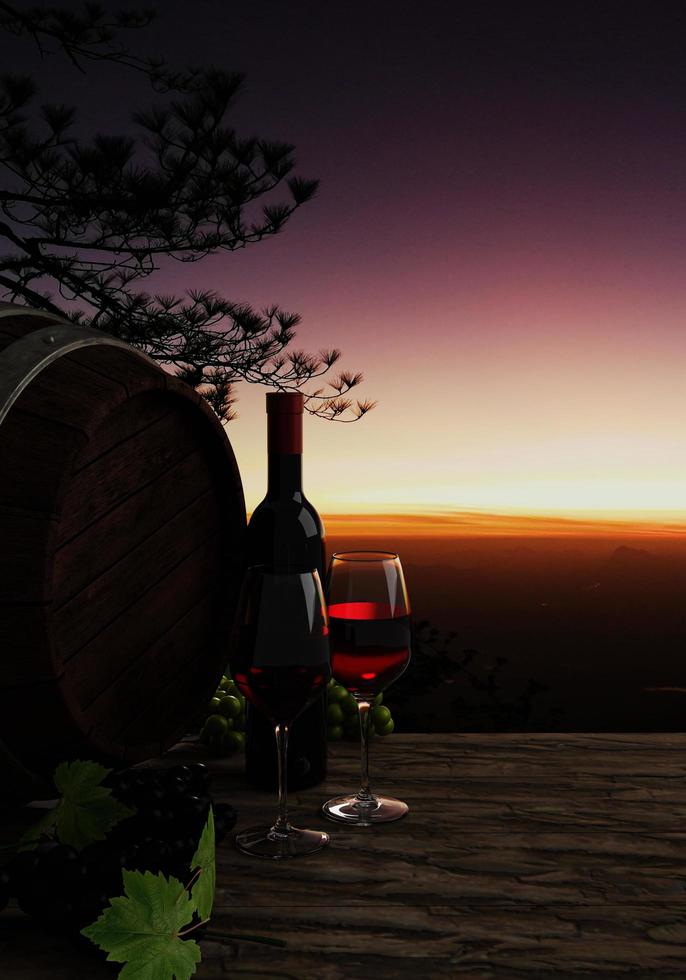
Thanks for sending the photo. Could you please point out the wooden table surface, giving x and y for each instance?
(546, 856)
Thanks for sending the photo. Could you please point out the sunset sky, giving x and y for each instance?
(499, 244)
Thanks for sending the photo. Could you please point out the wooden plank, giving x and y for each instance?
(24, 557)
(458, 897)
(36, 457)
(196, 676)
(154, 682)
(108, 595)
(76, 397)
(456, 889)
(166, 451)
(126, 367)
(135, 630)
(86, 557)
(132, 418)
(453, 941)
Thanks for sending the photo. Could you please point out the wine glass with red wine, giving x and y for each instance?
(280, 662)
(369, 632)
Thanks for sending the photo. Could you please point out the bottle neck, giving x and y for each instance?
(285, 476)
(284, 451)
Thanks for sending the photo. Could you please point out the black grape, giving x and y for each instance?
(175, 789)
(224, 820)
(182, 773)
(182, 850)
(192, 813)
(5, 888)
(153, 856)
(35, 895)
(63, 866)
(201, 777)
(21, 869)
(90, 905)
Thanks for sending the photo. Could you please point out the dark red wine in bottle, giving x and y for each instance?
(286, 530)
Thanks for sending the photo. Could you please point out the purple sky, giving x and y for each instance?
(498, 241)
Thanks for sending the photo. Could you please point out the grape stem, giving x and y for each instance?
(187, 932)
(190, 883)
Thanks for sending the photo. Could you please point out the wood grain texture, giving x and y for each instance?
(541, 856)
(524, 856)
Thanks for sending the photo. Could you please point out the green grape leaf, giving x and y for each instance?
(86, 811)
(141, 929)
(203, 860)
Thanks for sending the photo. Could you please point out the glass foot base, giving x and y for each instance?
(348, 809)
(265, 842)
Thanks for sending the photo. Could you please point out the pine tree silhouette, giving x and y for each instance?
(89, 220)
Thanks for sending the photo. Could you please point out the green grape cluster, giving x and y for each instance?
(342, 719)
(224, 728)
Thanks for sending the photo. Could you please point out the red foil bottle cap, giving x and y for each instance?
(285, 422)
(285, 403)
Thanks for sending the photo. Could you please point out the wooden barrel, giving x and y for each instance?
(121, 528)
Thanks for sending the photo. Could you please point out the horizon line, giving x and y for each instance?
(474, 522)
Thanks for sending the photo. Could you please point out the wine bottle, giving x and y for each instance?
(285, 529)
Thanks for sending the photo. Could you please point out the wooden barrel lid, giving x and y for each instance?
(122, 520)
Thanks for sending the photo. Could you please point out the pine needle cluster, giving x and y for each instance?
(84, 222)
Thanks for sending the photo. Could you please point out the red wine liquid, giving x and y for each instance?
(282, 692)
(370, 647)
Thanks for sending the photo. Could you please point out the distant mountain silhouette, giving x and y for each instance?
(631, 556)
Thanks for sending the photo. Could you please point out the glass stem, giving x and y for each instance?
(282, 825)
(365, 795)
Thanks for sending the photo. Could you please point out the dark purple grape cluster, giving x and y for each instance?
(68, 889)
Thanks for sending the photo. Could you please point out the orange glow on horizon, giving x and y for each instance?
(461, 524)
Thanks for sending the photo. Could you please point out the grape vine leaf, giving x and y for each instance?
(141, 929)
(86, 811)
(202, 892)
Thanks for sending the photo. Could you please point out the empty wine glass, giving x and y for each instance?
(280, 662)
(369, 623)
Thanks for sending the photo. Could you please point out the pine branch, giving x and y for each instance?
(92, 219)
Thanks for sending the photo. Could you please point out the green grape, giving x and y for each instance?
(387, 729)
(216, 725)
(214, 704)
(336, 693)
(334, 714)
(380, 717)
(351, 728)
(349, 705)
(234, 741)
(225, 682)
(378, 700)
(229, 707)
(334, 733)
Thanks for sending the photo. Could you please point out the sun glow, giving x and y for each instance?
(465, 524)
